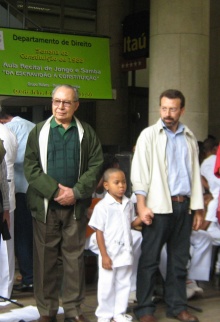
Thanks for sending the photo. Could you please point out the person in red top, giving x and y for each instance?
(217, 163)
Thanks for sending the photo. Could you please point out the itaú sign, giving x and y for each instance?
(136, 35)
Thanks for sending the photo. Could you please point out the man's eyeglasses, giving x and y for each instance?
(171, 109)
(57, 103)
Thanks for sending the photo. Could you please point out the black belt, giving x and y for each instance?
(179, 198)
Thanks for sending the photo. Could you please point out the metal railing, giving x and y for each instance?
(12, 11)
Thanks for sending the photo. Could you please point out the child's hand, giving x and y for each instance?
(148, 220)
(107, 262)
(146, 215)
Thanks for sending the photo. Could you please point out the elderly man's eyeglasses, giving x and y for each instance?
(57, 103)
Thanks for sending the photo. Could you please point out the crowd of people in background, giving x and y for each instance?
(60, 195)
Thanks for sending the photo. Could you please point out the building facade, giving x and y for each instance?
(184, 45)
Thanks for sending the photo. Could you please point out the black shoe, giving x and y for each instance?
(23, 287)
(184, 316)
(78, 318)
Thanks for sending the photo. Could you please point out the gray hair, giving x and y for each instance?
(73, 88)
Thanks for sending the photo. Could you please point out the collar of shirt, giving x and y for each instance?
(110, 200)
(62, 131)
(180, 128)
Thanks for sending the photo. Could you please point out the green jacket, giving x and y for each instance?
(42, 187)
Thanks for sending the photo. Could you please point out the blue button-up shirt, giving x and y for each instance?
(178, 166)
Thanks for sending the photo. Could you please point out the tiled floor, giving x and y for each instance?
(206, 306)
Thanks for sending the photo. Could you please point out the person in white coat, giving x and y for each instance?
(21, 127)
(211, 224)
(7, 258)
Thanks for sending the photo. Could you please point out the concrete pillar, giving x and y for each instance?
(111, 119)
(179, 58)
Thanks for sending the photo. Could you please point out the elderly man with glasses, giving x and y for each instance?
(63, 161)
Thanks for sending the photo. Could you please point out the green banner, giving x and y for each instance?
(33, 63)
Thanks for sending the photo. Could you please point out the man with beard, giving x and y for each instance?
(166, 179)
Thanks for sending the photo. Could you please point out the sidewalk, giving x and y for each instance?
(208, 302)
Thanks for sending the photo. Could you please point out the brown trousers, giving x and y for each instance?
(60, 241)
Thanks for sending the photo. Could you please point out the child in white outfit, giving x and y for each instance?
(112, 219)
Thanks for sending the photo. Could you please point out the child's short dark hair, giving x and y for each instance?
(109, 171)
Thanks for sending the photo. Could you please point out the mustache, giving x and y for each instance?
(168, 119)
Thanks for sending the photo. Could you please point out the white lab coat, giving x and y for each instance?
(7, 258)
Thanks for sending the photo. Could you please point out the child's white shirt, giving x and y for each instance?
(207, 171)
(114, 220)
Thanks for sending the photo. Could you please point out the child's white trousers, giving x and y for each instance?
(113, 291)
